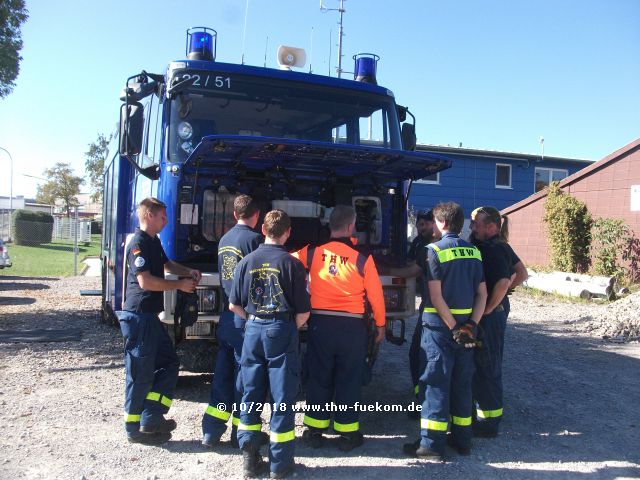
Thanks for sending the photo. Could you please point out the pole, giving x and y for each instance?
(341, 10)
(10, 190)
(75, 245)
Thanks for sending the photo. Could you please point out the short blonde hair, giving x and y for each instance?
(149, 205)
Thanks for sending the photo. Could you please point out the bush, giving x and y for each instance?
(32, 228)
(96, 228)
(611, 238)
(569, 226)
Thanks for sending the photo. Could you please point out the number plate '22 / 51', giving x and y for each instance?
(205, 80)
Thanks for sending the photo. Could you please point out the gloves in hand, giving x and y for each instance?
(465, 334)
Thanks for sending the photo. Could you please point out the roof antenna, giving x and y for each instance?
(311, 53)
(542, 146)
(244, 30)
(266, 44)
(341, 10)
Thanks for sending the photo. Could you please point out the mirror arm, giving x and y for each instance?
(152, 172)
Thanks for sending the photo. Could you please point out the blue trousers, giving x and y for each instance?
(270, 361)
(487, 381)
(226, 387)
(416, 356)
(446, 381)
(151, 366)
(336, 351)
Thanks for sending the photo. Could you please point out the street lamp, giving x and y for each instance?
(44, 180)
(10, 190)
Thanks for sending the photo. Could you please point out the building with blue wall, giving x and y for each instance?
(485, 177)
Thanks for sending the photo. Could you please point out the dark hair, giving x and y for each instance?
(451, 214)
(424, 215)
(276, 223)
(245, 207)
(341, 216)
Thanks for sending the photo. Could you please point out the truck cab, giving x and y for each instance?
(206, 131)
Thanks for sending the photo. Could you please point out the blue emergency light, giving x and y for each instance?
(201, 43)
(365, 67)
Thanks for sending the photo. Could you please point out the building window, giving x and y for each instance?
(544, 177)
(432, 179)
(503, 175)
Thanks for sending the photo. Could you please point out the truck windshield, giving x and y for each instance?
(222, 104)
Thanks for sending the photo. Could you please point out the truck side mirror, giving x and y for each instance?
(402, 113)
(409, 140)
(131, 128)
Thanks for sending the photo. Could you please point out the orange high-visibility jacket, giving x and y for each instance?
(340, 278)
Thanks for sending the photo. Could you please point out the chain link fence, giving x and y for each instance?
(55, 238)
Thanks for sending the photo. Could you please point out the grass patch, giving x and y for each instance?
(53, 259)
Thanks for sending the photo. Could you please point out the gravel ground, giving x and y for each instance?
(571, 402)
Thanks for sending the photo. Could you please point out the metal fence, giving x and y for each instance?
(64, 234)
(5, 224)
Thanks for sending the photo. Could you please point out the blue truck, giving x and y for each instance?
(205, 131)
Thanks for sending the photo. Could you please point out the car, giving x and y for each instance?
(5, 259)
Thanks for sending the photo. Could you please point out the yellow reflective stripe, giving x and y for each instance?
(129, 417)
(462, 421)
(458, 253)
(416, 389)
(235, 421)
(312, 422)
(158, 397)
(454, 311)
(489, 413)
(282, 437)
(217, 413)
(346, 427)
(433, 425)
(255, 427)
(434, 246)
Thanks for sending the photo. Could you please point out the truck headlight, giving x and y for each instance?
(185, 130)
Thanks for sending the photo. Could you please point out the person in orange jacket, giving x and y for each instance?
(341, 281)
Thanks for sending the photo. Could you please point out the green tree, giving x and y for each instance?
(94, 164)
(62, 185)
(12, 14)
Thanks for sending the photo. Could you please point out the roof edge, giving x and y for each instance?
(571, 179)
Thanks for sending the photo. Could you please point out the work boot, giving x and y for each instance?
(283, 473)
(252, 463)
(313, 437)
(425, 453)
(453, 444)
(149, 438)
(410, 448)
(210, 441)
(159, 426)
(414, 450)
(350, 440)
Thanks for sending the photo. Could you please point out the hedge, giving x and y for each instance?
(31, 228)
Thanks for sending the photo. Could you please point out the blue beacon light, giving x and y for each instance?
(365, 67)
(201, 43)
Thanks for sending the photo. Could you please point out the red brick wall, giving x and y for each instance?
(604, 186)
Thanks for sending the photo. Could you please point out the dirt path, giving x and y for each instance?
(571, 406)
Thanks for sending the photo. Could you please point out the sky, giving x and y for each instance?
(487, 74)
